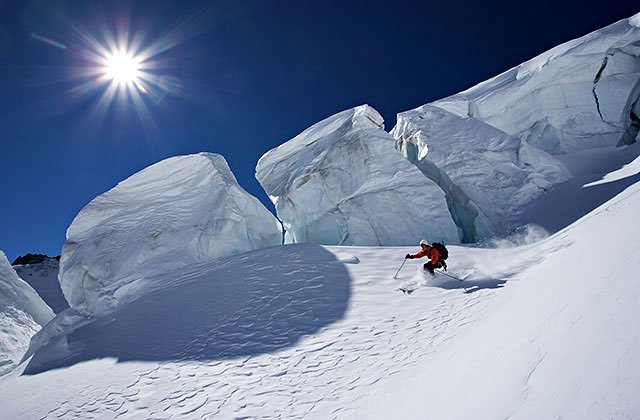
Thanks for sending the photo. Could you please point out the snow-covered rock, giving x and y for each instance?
(581, 94)
(341, 182)
(487, 174)
(43, 277)
(22, 314)
(180, 211)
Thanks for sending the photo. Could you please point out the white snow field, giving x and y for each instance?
(22, 314)
(561, 342)
(544, 330)
(180, 211)
(341, 182)
(43, 277)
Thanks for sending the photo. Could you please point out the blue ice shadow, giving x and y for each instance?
(246, 305)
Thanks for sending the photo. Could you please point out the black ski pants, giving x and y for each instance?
(430, 266)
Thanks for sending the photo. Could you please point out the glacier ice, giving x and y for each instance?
(487, 174)
(22, 314)
(341, 182)
(180, 211)
(489, 148)
(578, 95)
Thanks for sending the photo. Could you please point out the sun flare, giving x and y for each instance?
(122, 67)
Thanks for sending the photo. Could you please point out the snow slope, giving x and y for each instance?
(597, 175)
(299, 331)
(180, 211)
(562, 343)
(545, 330)
(341, 182)
(43, 277)
(22, 314)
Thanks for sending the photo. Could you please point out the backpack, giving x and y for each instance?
(444, 252)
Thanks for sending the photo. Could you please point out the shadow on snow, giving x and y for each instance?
(471, 286)
(250, 304)
(569, 201)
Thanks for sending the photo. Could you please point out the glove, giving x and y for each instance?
(408, 257)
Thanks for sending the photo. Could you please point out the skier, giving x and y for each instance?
(436, 259)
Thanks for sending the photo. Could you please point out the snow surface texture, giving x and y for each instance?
(180, 211)
(488, 175)
(303, 331)
(22, 314)
(299, 331)
(43, 277)
(581, 94)
(341, 182)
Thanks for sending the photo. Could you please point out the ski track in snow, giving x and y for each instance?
(323, 376)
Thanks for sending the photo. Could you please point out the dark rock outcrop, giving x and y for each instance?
(30, 259)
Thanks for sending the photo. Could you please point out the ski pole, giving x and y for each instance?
(449, 275)
(395, 276)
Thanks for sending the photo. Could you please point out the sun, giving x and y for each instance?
(122, 67)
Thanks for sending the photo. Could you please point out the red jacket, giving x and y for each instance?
(428, 252)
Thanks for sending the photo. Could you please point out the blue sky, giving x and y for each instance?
(236, 78)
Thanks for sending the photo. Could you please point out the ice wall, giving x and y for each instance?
(487, 174)
(341, 182)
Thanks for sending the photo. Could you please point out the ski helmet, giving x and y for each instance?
(424, 242)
